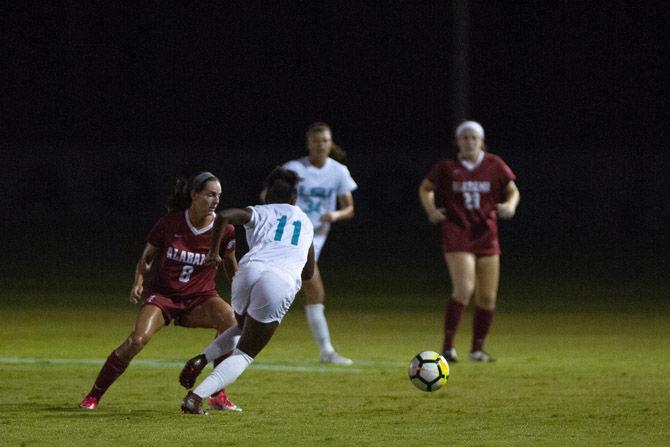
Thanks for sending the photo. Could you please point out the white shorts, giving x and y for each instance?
(262, 292)
(320, 236)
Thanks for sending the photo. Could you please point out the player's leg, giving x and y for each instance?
(461, 267)
(270, 298)
(255, 336)
(216, 352)
(315, 296)
(217, 314)
(149, 320)
(212, 313)
(241, 289)
(486, 292)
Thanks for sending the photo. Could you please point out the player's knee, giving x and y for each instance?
(486, 300)
(315, 296)
(225, 319)
(463, 294)
(316, 299)
(224, 322)
(137, 341)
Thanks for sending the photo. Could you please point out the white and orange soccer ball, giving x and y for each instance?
(428, 371)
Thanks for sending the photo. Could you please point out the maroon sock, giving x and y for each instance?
(452, 316)
(480, 327)
(110, 371)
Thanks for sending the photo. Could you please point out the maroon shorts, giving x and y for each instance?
(175, 309)
(479, 243)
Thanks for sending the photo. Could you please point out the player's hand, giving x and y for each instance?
(213, 260)
(136, 294)
(328, 217)
(505, 210)
(437, 216)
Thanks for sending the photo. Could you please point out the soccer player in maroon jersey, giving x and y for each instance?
(475, 188)
(182, 288)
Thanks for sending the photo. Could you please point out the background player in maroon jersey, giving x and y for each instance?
(182, 287)
(474, 188)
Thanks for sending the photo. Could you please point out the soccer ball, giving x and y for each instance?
(428, 371)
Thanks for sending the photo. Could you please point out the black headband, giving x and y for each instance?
(201, 178)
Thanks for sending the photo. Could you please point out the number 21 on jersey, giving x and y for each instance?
(471, 200)
(280, 230)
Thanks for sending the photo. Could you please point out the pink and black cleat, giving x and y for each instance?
(89, 403)
(221, 402)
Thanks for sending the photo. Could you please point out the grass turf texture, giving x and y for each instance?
(565, 376)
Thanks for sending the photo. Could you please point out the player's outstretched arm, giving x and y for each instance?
(143, 266)
(234, 216)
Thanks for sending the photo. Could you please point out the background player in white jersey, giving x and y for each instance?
(325, 183)
(280, 256)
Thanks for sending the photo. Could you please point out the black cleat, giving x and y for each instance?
(192, 404)
(191, 371)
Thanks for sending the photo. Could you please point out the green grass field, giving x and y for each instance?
(567, 374)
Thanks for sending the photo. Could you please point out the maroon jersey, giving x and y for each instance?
(469, 197)
(181, 273)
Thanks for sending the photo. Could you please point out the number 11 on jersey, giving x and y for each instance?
(280, 230)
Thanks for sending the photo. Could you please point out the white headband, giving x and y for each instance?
(473, 126)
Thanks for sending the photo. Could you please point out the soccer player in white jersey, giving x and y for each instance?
(325, 183)
(269, 276)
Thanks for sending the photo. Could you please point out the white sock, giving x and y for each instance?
(223, 344)
(224, 374)
(319, 326)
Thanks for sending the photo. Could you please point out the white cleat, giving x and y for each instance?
(450, 355)
(481, 356)
(335, 359)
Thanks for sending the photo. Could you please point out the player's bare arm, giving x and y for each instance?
(507, 209)
(229, 265)
(143, 266)
(310, 265)
(427, 197)
(234, 216)
(346, 211)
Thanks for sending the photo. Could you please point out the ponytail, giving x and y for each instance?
(338, 154)
(180, 199)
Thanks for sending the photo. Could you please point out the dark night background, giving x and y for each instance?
(103, 105)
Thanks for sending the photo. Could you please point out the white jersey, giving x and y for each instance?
(279, 236)
(319, 188)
